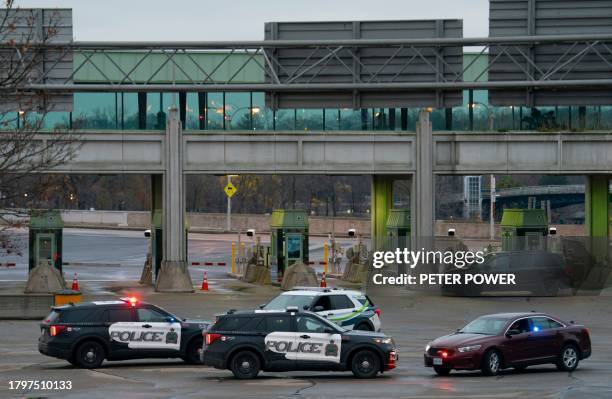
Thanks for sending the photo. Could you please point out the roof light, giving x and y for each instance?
(132, 300)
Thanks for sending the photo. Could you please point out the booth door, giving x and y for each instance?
(293, 248)
(44, 248)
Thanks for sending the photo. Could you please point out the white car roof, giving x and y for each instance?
(321, 293)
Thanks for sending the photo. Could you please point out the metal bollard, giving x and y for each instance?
(233, 258)
(326, 257)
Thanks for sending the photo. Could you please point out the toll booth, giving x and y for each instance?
(398, 228)
(289, 238)
(45, 238)
(524, 229)
(157, 241)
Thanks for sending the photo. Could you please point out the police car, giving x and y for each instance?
(348, 308)
(250, 341)
(87, 333)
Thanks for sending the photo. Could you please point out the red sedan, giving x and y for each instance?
(498, 341)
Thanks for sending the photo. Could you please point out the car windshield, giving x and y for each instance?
(281, 302)
(485, 325)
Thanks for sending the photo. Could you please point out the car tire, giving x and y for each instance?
(245, 365)
(568, 358)
(442, 371)
(365, 364)
(192, 354)
(491, 363)
(363, 327)
(89, 355)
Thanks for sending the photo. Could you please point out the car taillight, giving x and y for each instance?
(55, 330)
(210, 338)
(377, 311)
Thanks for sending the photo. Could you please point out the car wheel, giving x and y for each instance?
(363, 327)
(442, 370)
(89, 355)
(491, 363)
(365, 364)
(192, 356)
(245, 365)
(568, 358)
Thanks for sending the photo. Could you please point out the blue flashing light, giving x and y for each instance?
(536, 328)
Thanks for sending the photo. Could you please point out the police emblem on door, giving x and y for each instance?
(171, 337)
(331, 349)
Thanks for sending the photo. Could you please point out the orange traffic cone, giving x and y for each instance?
(323, 281)
(75, 283)
(204, 283)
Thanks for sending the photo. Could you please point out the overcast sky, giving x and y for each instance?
(116, 20)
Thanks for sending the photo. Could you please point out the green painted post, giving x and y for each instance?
(597, 214)
(596, 206)
(382, 202)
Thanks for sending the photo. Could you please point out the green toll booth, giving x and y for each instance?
(289, 238)
(157, 241)
(524, 229)
(45, 238)
(398, 228)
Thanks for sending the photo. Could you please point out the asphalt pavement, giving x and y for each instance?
(119, 255)
(412, 318)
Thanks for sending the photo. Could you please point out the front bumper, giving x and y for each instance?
(457, 361)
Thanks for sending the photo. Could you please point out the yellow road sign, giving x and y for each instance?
(230, 190)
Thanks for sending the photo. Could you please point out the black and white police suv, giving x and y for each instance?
(87, 333)
(249, 341)
(350, 309)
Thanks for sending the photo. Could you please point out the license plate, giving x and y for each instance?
(437, 361)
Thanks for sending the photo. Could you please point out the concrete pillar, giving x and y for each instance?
(174, 276)
(382, 201)
(423, 183)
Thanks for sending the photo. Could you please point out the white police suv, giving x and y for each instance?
(350, 309)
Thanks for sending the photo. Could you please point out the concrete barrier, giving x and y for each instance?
(25, 306)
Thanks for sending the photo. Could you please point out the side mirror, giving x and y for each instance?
(317, 309)
(306, 307)
(329, 330)
(510, 333)
(147, 233)
(263, 305)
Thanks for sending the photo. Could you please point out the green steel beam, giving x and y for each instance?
(382, 202)
(597, 214)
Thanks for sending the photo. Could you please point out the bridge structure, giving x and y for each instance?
(404, 95)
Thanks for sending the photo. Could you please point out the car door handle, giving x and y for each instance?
(146, 326)
(305, 336)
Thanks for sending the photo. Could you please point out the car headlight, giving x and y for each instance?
(427, 348)
(387, 340)
(470, 348)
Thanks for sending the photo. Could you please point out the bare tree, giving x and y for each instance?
(28, 145)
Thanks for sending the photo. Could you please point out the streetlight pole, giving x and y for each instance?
(492, 211)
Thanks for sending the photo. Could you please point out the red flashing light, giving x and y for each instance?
(132, 300)
(55, 330)
(210, 338)
(391, 361)
(377, 311)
